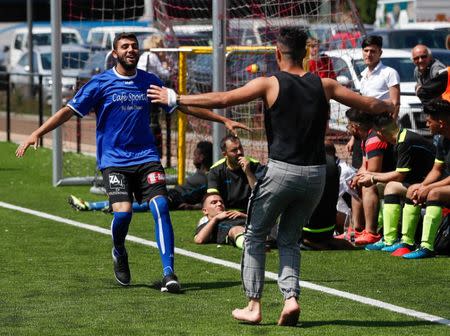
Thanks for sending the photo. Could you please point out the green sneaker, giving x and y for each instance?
(78, 204)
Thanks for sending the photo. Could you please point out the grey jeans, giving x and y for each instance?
(290, 192)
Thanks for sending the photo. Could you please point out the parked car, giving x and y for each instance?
(348, 65)
(73, 60)
(41, 37)
(103, 37)
(408, 38)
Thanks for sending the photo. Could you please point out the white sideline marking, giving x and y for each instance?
(212, 260)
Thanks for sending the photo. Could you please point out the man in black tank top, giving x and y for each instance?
(296, 117)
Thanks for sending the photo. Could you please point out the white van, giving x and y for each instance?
(41, 37)
(103, 37)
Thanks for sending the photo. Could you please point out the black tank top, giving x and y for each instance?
(297, 121)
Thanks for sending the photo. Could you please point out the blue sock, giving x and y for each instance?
(143, 207)
(119, 230)
(97, 206)
(163, 232)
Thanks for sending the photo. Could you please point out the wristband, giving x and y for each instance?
(171, 98)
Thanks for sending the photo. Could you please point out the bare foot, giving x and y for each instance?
(249, 314)
(290, 314)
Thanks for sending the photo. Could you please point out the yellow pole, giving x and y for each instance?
(182, 120)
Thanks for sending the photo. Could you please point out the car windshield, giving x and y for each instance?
(46, 39)
(70, 60)
(404, 67)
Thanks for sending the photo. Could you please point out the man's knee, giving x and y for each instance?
(121, 207)
(370, 191)
(395, 188)
(439, 194)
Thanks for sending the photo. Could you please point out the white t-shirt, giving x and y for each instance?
(377, 84)
(150, 62)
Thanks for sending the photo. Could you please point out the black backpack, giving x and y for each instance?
(442, 242)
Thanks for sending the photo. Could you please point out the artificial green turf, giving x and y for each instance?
(57, 279)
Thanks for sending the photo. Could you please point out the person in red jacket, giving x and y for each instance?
(319, 64)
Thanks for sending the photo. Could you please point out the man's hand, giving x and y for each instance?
(32, 140)
(421, 194)
(244, 163)
(231, 125)
(231, 214)
(364, 179)
(158, 95)
(354, 182)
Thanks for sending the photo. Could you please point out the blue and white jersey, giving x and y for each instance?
(123, 112)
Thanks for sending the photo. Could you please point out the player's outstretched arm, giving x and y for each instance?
(53, 122)
(334, 90)
(256, 88)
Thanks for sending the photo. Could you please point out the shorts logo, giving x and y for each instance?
(156, 177)
(115, 181)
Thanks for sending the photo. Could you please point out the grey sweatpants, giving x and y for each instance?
(291, 192)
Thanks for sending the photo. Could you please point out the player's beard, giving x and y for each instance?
(127, 65)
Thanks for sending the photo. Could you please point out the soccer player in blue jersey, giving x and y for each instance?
(126, 151)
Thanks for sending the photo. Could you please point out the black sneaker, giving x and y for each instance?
(170, 284)
(121, 269)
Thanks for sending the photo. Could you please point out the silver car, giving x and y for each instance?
(73, 60)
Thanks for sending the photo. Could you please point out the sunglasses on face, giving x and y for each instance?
(416, 58)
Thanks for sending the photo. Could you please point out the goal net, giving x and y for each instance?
(249, 24)
(332, 24)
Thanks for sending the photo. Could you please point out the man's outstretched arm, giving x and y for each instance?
(53, 122)
(256, 88)
(333, 90)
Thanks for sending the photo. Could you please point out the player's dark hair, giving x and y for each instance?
(363, 118)
(438, 108)
(121, 36)
(205, 147)
(382, 121)
(293, 43)
(228, 137)
(372, 40)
